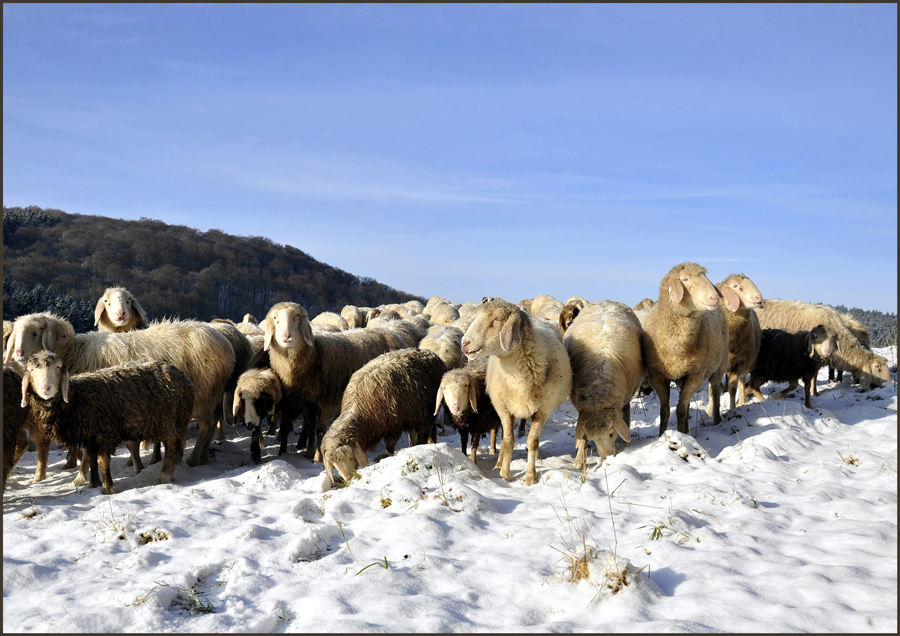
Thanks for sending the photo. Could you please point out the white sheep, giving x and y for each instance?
(330, 319)
(119, 311)
(743, 334)
(528, 374)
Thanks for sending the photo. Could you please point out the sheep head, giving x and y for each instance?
(287, 323)
(458, 391)
(822, 341)
(568, 314)
(495, 331)
(875, 372)
(33, 333)
(743, 289)
(608, 424)
(257, 394)
(687, 287)
(46, 374)
(118, 304)
(345, 457)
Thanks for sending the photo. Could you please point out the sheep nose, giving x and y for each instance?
(45, 389)
(713, 299)
(120, 315)
(20, 355)
(465, 346)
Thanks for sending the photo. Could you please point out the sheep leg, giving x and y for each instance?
(273, 427)
(312, 414)
(507, 420)
(494, 440)
(255, 446)
(92, 461)
(713, 409)
(43, 456)
(390, 443)
(521, 427)
(200, 454)
(689, 386)
(781, 394)
(473, 453)
(815, 389)
(156, 455)
(71, 458)
(83, 476)
(534, 441)
(174, 454)
(22, 443)
(103, 462)
(661, 386)
(220, 431)
(580, 445)
(809, 384)
(135, 449)
(463, 439)
(830, 373)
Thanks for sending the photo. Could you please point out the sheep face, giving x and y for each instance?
(287, 324)
(30, 334)
(822, 341)
(118, 304)
(253, 408)
(47, 376)
(876, 372)
(495, 331)
(687, 286)
(602, 427)
(568, 314)
(458, 393)
(347, 458)
(748, 294)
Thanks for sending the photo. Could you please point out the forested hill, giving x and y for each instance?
(55, 261)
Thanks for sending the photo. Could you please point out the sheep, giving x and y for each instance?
(354, 317)
(604, 346)
(383, 313)
(421, 321)
(256, 397)
(463, 392)
(332, 319)
(785, 356)
(314, 368)
(524, 304)
(250, 319)
(851, 355)
(118, 311)
(434, 300)
(408, 331)
(743, 334)
(644, 305)
(444, 314)
(389, 395)
(249, 329)
(581, 301)
(528, 373)
(201, 352)
(568, 314)
(401, 310)
(466, 309)
(243, 351)
(463, 323)
(102, 409)
(14, 439)
(415, 306)
(686, 340)
(546, 307)
(862, 334)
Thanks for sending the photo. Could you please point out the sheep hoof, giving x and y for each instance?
(530, 480)
(108, 491)
(130, 462)
(578, 465)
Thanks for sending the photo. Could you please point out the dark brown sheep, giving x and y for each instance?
(471, 411)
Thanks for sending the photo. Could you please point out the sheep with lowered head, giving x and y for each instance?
(686, 341)
(389, 395)
(743, 334)
(256, 398)
(119, 311)
(103, 409)
(471, 412)
(862, 334)
(528, 373)
(785, 356)
(604, 345)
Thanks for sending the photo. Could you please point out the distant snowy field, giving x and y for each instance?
(781, 518)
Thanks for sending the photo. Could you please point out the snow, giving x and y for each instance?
(780, 518)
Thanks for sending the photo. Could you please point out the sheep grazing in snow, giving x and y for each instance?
(686, 341)
(604, 346)
(119, 311)
(528, 373)
(103, 409)
(315, 367)
(256, 397)
(852, 355)
(785, 356)
(743, 334)
(471, 412)
(389, 395)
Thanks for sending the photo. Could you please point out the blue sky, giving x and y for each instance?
(466, 151)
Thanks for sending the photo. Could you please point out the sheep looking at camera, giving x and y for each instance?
(389, 395)
(604, 346)
(686, 341)
(785, 356)
(528, 373)
(471, 411)
(743, 334)
(119, 311)
(103, 409)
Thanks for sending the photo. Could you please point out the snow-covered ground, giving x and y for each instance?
(781, 518)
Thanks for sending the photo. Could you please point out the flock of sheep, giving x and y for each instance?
(373, 374)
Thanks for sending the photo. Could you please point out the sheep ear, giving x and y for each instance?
(269, 330)
(329, 470)
(440, 397)
(306, 332)
(676, 291)
(236, 407)
(48, 338)
(98, 311)
(510, 333)
(26, 388)
(10, 347)
(473, 397)
(137, 307)
(809, 345)
(64, 385)
(360, 456)
(622, 428)
(732, 302)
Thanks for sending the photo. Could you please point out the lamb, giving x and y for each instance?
(389, 395)
(14, 439)
(196, 348)
(118, 311)
(528, 373)
(851, 355)
(354, 317)
(314, 368)
(330, 318)
(256, 397)
(686, 340)
(743, 334)
(102, 409)
(604, 346)
(785, 356)
(463, 390)
(444, 314)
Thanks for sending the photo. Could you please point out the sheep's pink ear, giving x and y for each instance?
(511, 332)
(64, 385)
(26, 388)
(306, 332)
(473, 397)
(676, 291)
(360, 456)
(98, 311)
(622, 428)
(269, 330)
(732, 302)
(48, 338)
(440, 397)
(137, 307)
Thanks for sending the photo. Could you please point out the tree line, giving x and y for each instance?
(60, 262)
